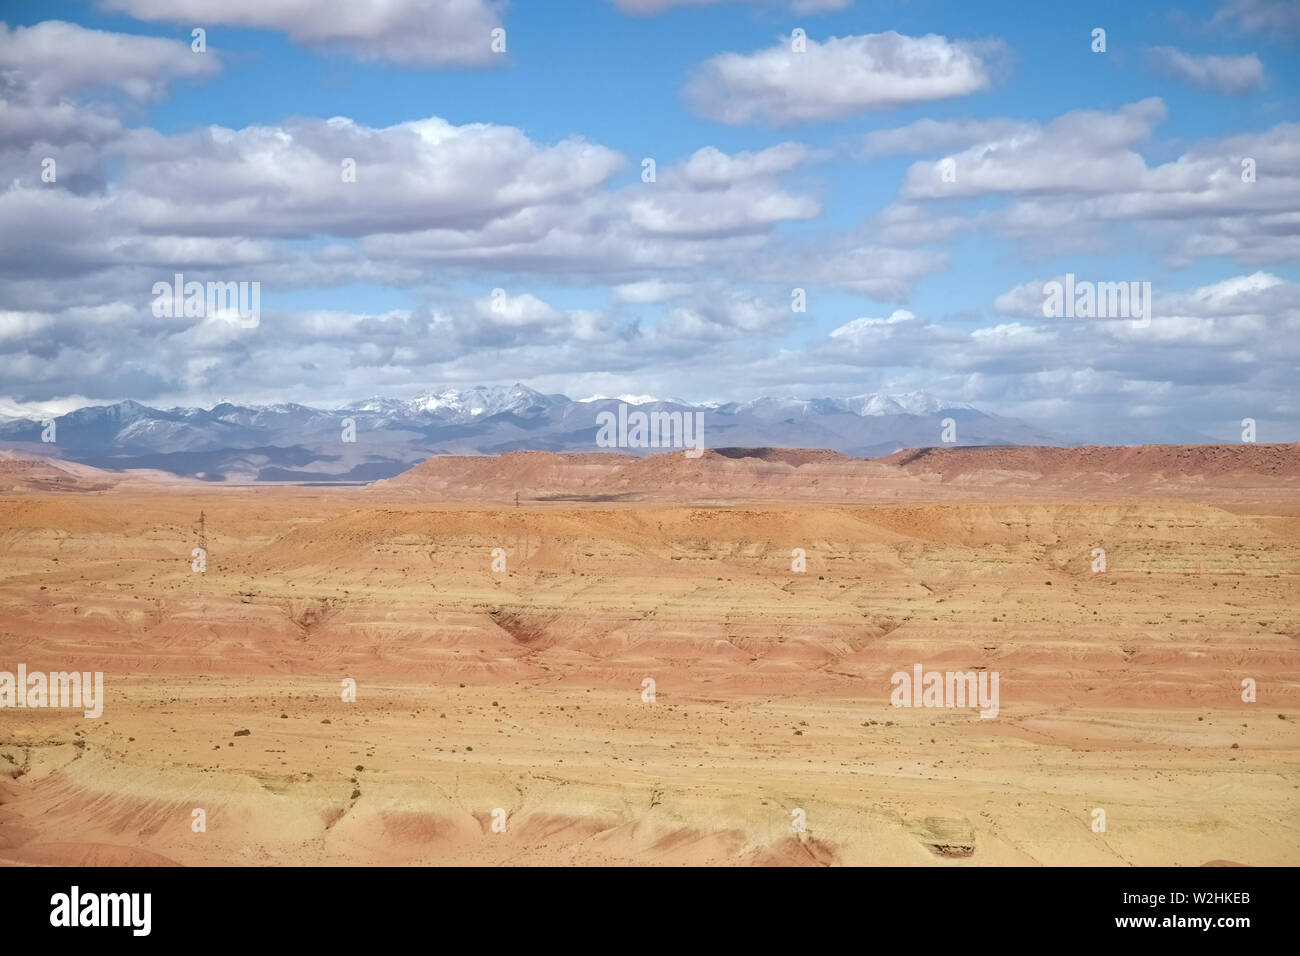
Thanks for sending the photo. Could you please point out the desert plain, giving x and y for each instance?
(500, 653)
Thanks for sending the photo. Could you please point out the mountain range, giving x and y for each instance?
(292, 442)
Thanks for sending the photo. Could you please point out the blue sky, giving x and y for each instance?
(618, 286)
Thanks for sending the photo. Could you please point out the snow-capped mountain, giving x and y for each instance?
(293, 442)
(644, 400)
(908, 403)
(871, 404)
(460, 406)
(479, 401)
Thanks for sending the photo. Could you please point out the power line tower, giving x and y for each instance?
(203, 531)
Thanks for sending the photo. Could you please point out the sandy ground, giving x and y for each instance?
(521, 690)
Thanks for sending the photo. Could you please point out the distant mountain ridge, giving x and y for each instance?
(294, 442)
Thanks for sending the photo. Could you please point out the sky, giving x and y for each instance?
(918, 170)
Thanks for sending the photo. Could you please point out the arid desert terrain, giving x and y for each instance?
(507, 686)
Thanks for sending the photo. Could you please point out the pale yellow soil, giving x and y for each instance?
(522, 690)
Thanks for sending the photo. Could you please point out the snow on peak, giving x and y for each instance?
(625, 399)
(906, 403)
(481, 400)
(868, 405)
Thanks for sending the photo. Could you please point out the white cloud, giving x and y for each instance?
(1260, 16)
(858, 326)
(716, 312)
(287, 180)
(739, 209)
(1083, 150)
(443, 212)
(712, 167)
(430, 33)
(861, 263)
(837, 78)
(1071, 179)
(1251, 296)
(649, 291)
(1233, 75)
(926, 135)
(1024, 300)
(49, 60)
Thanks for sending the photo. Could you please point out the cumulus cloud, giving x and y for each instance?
(1203, 352)
(1024, 300)
(860, 262)
(739, 209)
(691, 275)
(836, 78)
(1233, 75)
(927, 134)
(869, 328)
(1260, 16)
(1234, 340)
(1080, 151)
(911, 223)
(712, 167)
(715, 312)
(478, 196)
(1255, 295)
(428, 33)
(50, 60)
(1069, 180)
(648, 291)
(287, 180)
